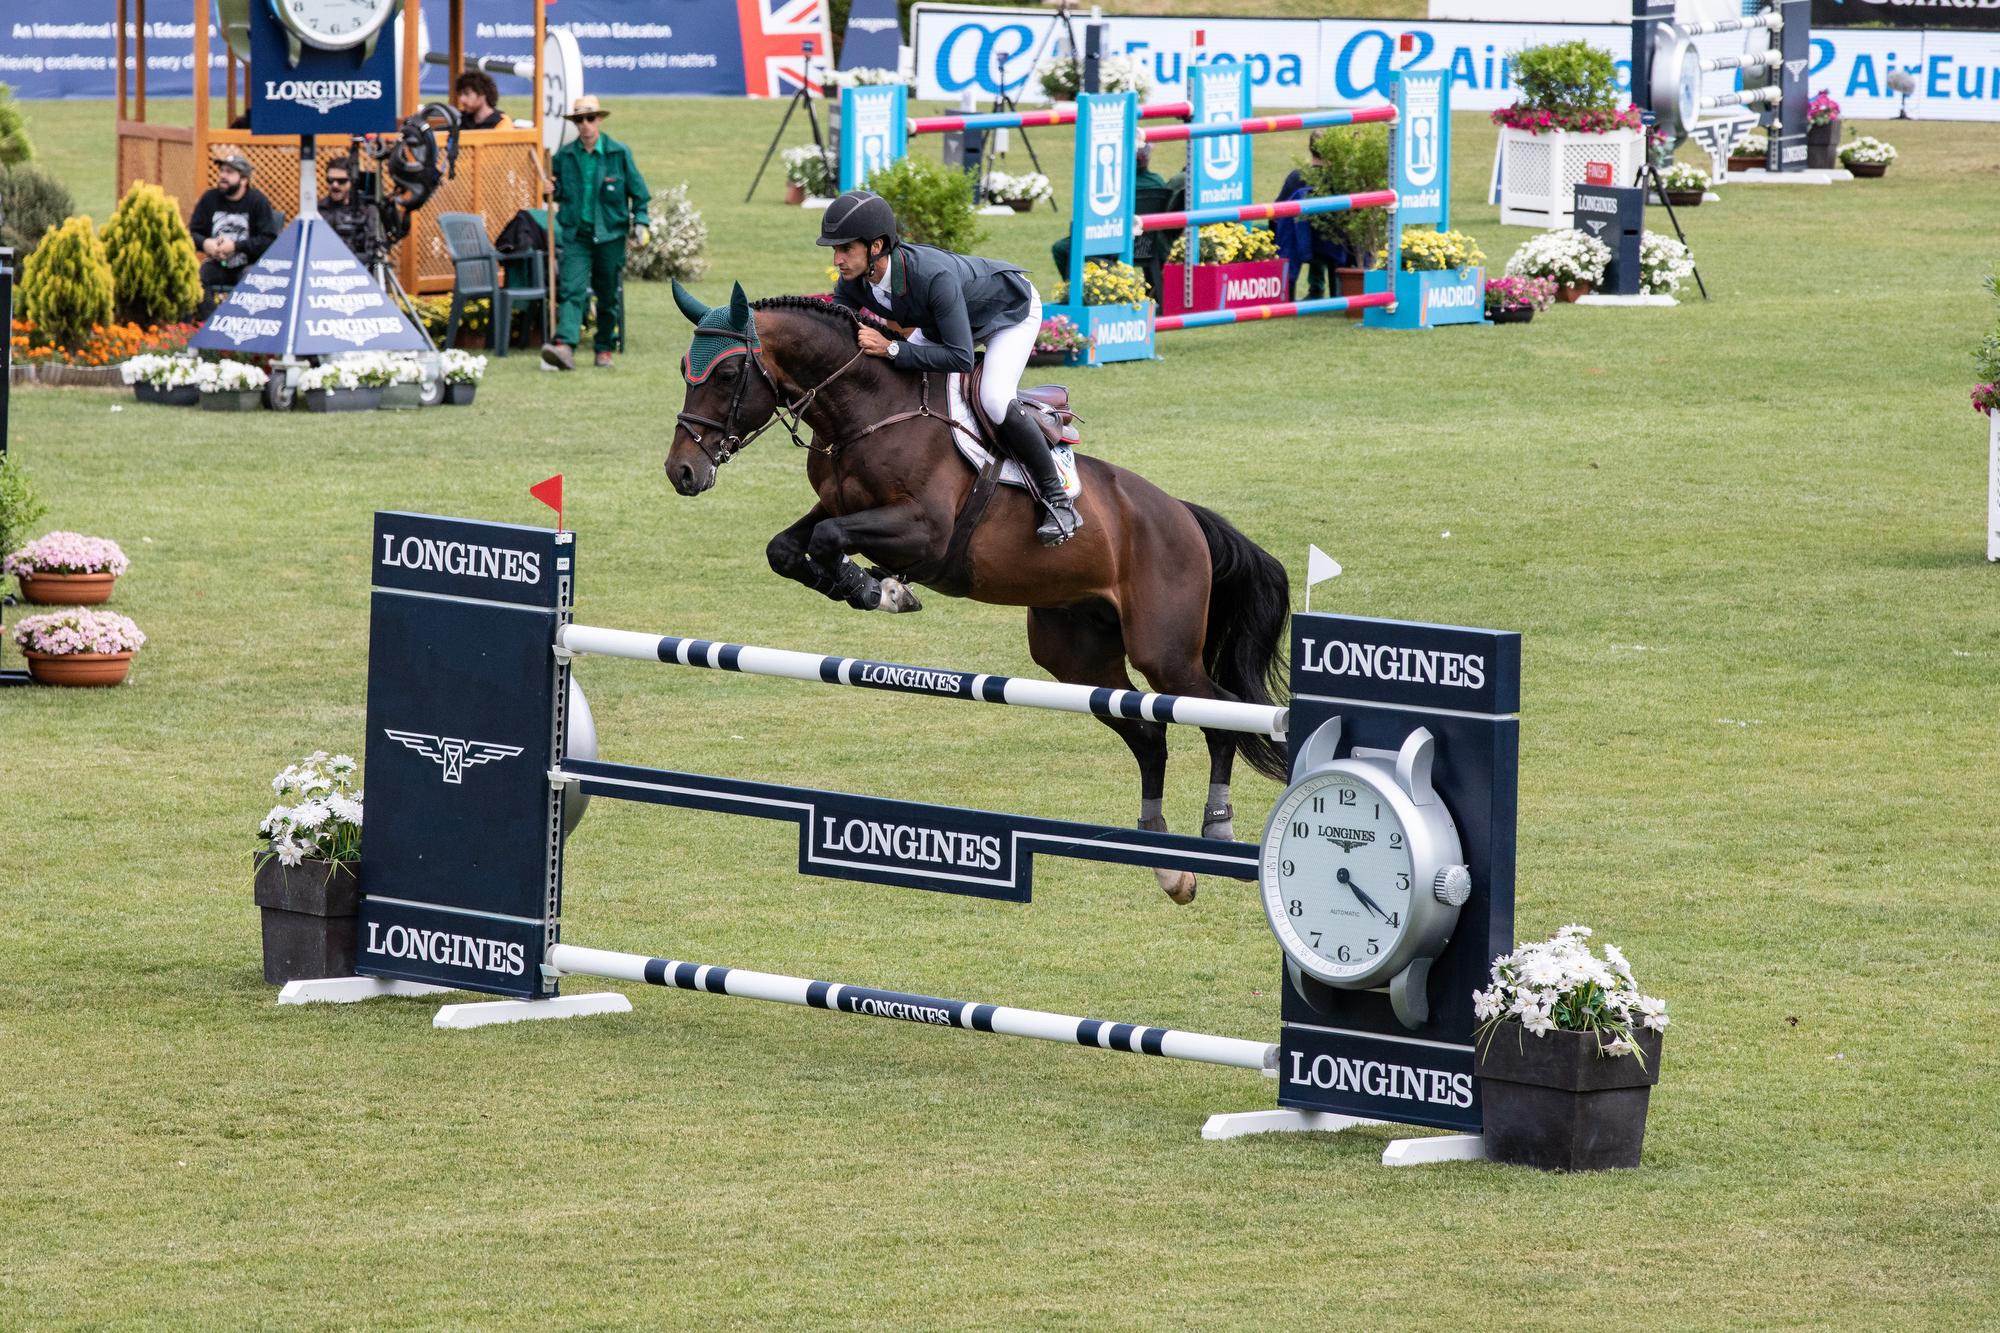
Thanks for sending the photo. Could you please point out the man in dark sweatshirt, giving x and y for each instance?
(232, 224)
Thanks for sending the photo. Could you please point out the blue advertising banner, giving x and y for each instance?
(874, 38)
(1220, 167)
(874, 131)
(706, 48)
(307, 296)
(322, 92)
(1107, 126)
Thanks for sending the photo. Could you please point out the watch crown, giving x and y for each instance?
(1453, 885)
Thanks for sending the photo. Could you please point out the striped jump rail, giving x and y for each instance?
(1755, 60)
(1304, 120)
(1202, 319)
(866, 1002)
(1012, 120)
(939, 682)
(1286, 208)
(1751, 97)
(1769, 19)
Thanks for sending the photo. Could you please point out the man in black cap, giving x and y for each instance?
(233, 223)
(951, 301)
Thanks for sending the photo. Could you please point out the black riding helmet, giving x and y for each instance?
(857, 216)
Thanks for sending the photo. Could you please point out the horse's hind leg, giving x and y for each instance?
(1163, 637)
(1081, 645)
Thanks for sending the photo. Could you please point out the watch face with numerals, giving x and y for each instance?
(333, 25)
(1337, 875)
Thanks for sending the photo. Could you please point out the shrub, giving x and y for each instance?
(1985, 362)
(932, 203)
(19, 505)
(1566, 77)
(675, 238)
(14, 145)
(1353, 159)
(154, 273)
(66, 284)
(31, 202)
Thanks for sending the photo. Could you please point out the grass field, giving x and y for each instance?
(1742, 541)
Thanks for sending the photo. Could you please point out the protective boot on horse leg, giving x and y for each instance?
(951, 302)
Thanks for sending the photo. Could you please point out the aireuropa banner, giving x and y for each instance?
(1342, 62)
(630, 47)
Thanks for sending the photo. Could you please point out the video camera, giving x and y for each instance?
(415, 165)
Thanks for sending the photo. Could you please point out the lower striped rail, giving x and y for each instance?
(867, 1002)
(939, 682)
(1202, 319)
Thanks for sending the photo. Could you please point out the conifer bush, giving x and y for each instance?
(155, 276)
(31, 202)
(14, 145)
(66, 284)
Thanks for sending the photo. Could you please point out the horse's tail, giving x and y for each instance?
(1249, 596)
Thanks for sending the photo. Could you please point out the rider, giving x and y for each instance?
(949, 301)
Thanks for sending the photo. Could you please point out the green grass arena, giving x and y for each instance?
(1742, 541)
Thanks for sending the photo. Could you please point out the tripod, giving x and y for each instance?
(803, 97)
(1649, 175)
(1003, 102)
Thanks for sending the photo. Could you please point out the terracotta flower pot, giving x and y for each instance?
(794, 194)
(1350, 282)
(1685, 198)
(1570, 292)
(1019, 205)
(1555, 1103)
(1868, 170)
(1756, 163)
(89, 669)
(67, 589)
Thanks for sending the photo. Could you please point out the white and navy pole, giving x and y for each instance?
(937, 682)
(867, 1002)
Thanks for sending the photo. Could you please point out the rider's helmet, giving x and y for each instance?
(857, 216)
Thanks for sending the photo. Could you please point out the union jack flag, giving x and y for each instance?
(774, 37)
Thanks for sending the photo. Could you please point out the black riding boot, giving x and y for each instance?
(1025, 444)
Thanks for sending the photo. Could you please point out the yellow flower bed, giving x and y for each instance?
(1228, 243)
(1427, 251)
(1109, 283)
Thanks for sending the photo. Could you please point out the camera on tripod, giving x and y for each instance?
(394, 176)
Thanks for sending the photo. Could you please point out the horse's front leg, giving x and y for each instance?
(895, 534)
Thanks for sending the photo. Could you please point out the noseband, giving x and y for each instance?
(792, 414)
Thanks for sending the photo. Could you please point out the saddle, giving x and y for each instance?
(1047, 404)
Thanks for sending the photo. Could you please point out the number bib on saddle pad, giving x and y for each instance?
(978, 456)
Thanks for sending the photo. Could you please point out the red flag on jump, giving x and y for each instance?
(550, 493)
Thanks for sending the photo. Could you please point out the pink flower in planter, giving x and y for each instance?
(78, 630)
(67, 553)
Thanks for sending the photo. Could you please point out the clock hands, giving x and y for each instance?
(1367, 902)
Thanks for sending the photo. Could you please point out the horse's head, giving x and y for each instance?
(730, 394)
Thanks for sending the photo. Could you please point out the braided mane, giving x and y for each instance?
(819, 305)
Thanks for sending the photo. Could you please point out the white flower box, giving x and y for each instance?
(1993, 487)
(1534, 174)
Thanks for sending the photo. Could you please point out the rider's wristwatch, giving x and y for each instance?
(893, 349)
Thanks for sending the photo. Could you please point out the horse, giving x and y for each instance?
(1175, 589)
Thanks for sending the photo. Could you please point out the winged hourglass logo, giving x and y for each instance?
(451, 753)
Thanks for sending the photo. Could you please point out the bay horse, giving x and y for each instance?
(1198, 608)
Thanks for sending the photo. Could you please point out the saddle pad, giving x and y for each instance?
(978, 456)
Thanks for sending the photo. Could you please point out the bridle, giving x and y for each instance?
(791, 413)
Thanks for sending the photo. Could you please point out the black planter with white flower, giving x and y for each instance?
(310, 912)
(1558, 1102)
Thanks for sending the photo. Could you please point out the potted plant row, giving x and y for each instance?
(305, 884)
(67, 569)
(171, 381)
(78, 646)
(1567, 1053)
(1517, 300)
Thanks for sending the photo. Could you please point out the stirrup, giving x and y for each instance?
(1061, 524)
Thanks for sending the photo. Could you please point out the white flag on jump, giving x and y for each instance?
(1319, 568)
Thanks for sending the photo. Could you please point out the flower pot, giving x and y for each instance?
(1048, 358)
(460, 395)
(341, 400)
(1685, 198)
(1513, 314)
(1868, 170)
(1018, 205)
(1823, 145)
(1756, 163)
(309, 915)
(1570, 292)
(89, 669)
(401, 397)
(469, 339)
(794, 194)
(181, 395)
(233, 400)
(1555, 1103)
(67, 589)
(1350, 282)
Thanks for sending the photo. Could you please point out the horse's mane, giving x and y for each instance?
(820, 305)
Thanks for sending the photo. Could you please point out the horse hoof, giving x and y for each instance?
(1177, 885)
(897, 596)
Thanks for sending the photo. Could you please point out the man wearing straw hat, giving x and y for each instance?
(600, 197)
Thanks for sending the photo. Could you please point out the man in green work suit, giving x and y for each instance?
(600, 196)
